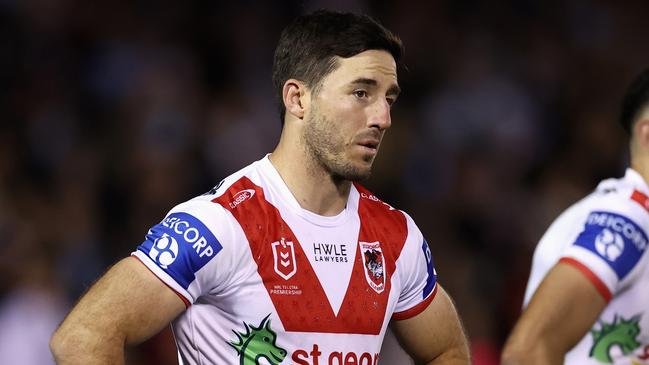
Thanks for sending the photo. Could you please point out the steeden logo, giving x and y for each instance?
(241, 196)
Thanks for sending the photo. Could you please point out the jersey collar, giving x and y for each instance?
(286, 197)
(635, 179)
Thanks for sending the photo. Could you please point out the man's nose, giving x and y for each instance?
(380, 115)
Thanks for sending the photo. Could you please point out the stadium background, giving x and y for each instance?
(113, 111)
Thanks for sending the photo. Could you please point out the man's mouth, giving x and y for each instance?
(372, 144)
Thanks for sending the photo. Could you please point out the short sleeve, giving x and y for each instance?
(608, 249)
(418, 275)
(178, 248)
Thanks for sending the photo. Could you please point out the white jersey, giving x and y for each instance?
(605, 236)
(267, 282)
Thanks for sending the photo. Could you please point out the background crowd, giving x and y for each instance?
(113, 111)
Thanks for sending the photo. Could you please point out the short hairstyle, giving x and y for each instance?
(308, 47)
(636, 98)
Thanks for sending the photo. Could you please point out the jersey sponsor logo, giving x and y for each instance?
(643, 357)
(260, 342)
(330, 252)
(374, 265)
(256, 343)
(284, 258)
(615, 238)
(241, 196)
(316, 357)
(621, 333)
(181, 245)
(430, 268)
(164, 250)
(609, 244)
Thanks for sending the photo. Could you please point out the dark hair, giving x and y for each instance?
(308, 47)
(635, 100)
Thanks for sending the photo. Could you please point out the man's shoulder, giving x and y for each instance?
(616, 198)
(372, 207)
(225, 184)
(375, 203)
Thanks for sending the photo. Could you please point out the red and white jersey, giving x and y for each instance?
(605, 236)
(267, 282)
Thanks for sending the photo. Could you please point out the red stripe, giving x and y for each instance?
(599, 284)
(409, 313)
(182, 297)
(362, 310)
(641, 199)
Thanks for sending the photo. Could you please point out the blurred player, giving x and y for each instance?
(587, 297)
(288, 260)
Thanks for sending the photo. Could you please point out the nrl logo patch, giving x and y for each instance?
(373, 265)
(284, 258)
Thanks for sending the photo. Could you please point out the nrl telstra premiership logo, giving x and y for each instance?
(284, 258)
(373, 265)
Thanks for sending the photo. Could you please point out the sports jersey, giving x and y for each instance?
(266, 281)
(604, 235)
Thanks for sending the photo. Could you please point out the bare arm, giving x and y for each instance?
(434, 336)
(126, 306)
(563, 309)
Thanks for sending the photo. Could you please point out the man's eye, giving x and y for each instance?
(360, 93)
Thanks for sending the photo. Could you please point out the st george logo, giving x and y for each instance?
(284, 258)
(373, 265)
(257, 343)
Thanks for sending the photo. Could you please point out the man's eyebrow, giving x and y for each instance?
(393, 90)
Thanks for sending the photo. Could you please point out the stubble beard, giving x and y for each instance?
(326, 147)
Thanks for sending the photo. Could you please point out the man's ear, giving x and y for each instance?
(295, 95)
(641, 132)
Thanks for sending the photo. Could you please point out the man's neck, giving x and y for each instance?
(311, 185)
(641, 166)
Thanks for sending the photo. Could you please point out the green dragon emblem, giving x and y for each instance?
(621, 332)
(257, 342)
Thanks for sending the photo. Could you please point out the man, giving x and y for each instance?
(288, 260)
(588, 294)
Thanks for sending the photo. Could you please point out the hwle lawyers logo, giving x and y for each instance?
(284, 258)
(330, 252)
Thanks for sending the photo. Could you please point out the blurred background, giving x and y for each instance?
(112, 112)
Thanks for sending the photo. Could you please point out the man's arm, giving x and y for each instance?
(434, 336)
(563, 309)
(126, 306)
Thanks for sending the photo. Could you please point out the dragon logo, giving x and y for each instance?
(256, 343)
(621, 333)
(374, 265)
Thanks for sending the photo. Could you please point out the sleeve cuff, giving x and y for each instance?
(182, 296)
(409, 313)
(591, 276)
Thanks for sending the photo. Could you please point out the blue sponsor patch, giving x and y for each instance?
(180, 245)
(615, 238)
(432, 276)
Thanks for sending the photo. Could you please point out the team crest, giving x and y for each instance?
(374, 265)
(284, 258)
